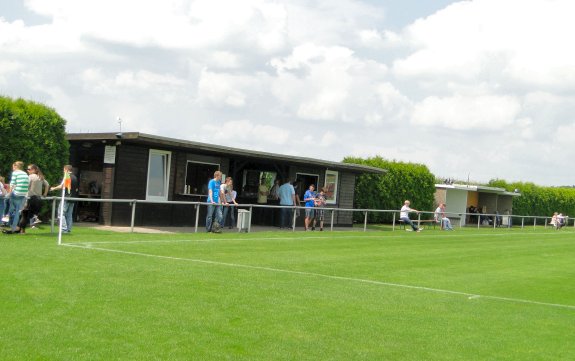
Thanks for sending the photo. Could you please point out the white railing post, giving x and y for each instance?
(364, 222)
(198, 208)
(332, 216)
(133, 216)
(250, 219)
(293, 219)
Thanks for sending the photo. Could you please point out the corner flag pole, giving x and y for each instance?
(61, 211)
(66, 184)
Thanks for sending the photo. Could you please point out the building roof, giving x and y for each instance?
(482, 189)
(155, 141)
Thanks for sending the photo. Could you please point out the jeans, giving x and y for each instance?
(209, 217)
(447, 224)
(68, 216)
(231, 210)
(285, 218)
(406, 220)
(16, 204)
(6, 204)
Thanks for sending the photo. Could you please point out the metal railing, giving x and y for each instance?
(491, 218)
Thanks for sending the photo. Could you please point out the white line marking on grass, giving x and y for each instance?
(470, 296)
(327, 236)
(151, 241)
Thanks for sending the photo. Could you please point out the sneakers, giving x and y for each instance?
(5, 219)
(36, 220)
(216, 228)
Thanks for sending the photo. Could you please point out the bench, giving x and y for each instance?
(419, 223)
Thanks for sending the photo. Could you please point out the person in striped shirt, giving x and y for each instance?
(18, 191)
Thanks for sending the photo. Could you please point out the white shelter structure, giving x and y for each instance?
(488, 200)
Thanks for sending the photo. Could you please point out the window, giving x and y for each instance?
(198, 175)
(158, 175)
(251, 181)
(303, 181)
(331, 178)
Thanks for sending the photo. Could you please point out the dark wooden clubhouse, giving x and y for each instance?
(140, 166)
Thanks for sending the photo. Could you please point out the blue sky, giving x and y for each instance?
(465, 87)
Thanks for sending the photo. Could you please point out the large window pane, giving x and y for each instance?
(198, 175)
(158, 175)
(331, 178)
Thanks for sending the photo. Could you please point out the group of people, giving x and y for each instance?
(438, 217)
(221, 199)
(557, 220)
(220, 193)
(314, 200)
(21, 198)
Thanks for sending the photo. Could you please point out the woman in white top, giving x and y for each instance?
(37, 188)
(230, 195)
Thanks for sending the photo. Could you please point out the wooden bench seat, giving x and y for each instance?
(419, 223)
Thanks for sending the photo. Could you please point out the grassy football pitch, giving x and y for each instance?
(465, 295)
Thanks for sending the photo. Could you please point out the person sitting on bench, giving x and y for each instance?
(440, 218)
(404, 216)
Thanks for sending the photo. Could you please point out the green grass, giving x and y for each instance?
(466, 295)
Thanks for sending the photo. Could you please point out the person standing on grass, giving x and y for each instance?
(287, 198)
(37, 188)
(404, 216)
(3, 200)
(71, 183)
(320, 202)
(309, 199)
(18, 191)
(215, 197)
(230, 197)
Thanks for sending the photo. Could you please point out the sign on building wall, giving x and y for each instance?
(110, 154)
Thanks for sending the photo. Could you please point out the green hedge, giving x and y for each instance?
(537, 200)
(402, 181)
(32, 133)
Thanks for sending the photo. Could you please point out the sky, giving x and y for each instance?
(478, 89)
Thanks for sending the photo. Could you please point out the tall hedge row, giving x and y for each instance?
(32, 133)
(402, 181)
(537, 200)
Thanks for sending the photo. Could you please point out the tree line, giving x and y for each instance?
(34, 133)
(416, 183)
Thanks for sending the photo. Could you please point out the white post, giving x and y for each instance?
(197, 217)
(61, 214)
(133, 216)
(293, 220)
(331, 225)
(250, 219)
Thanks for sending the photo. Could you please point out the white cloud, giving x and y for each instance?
(243, 131)
(329, 84)
(525, 43)
(486, 112)
(327, 76)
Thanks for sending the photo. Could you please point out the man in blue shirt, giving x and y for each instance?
(309, 199)
(287, 198)
(215, 196)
